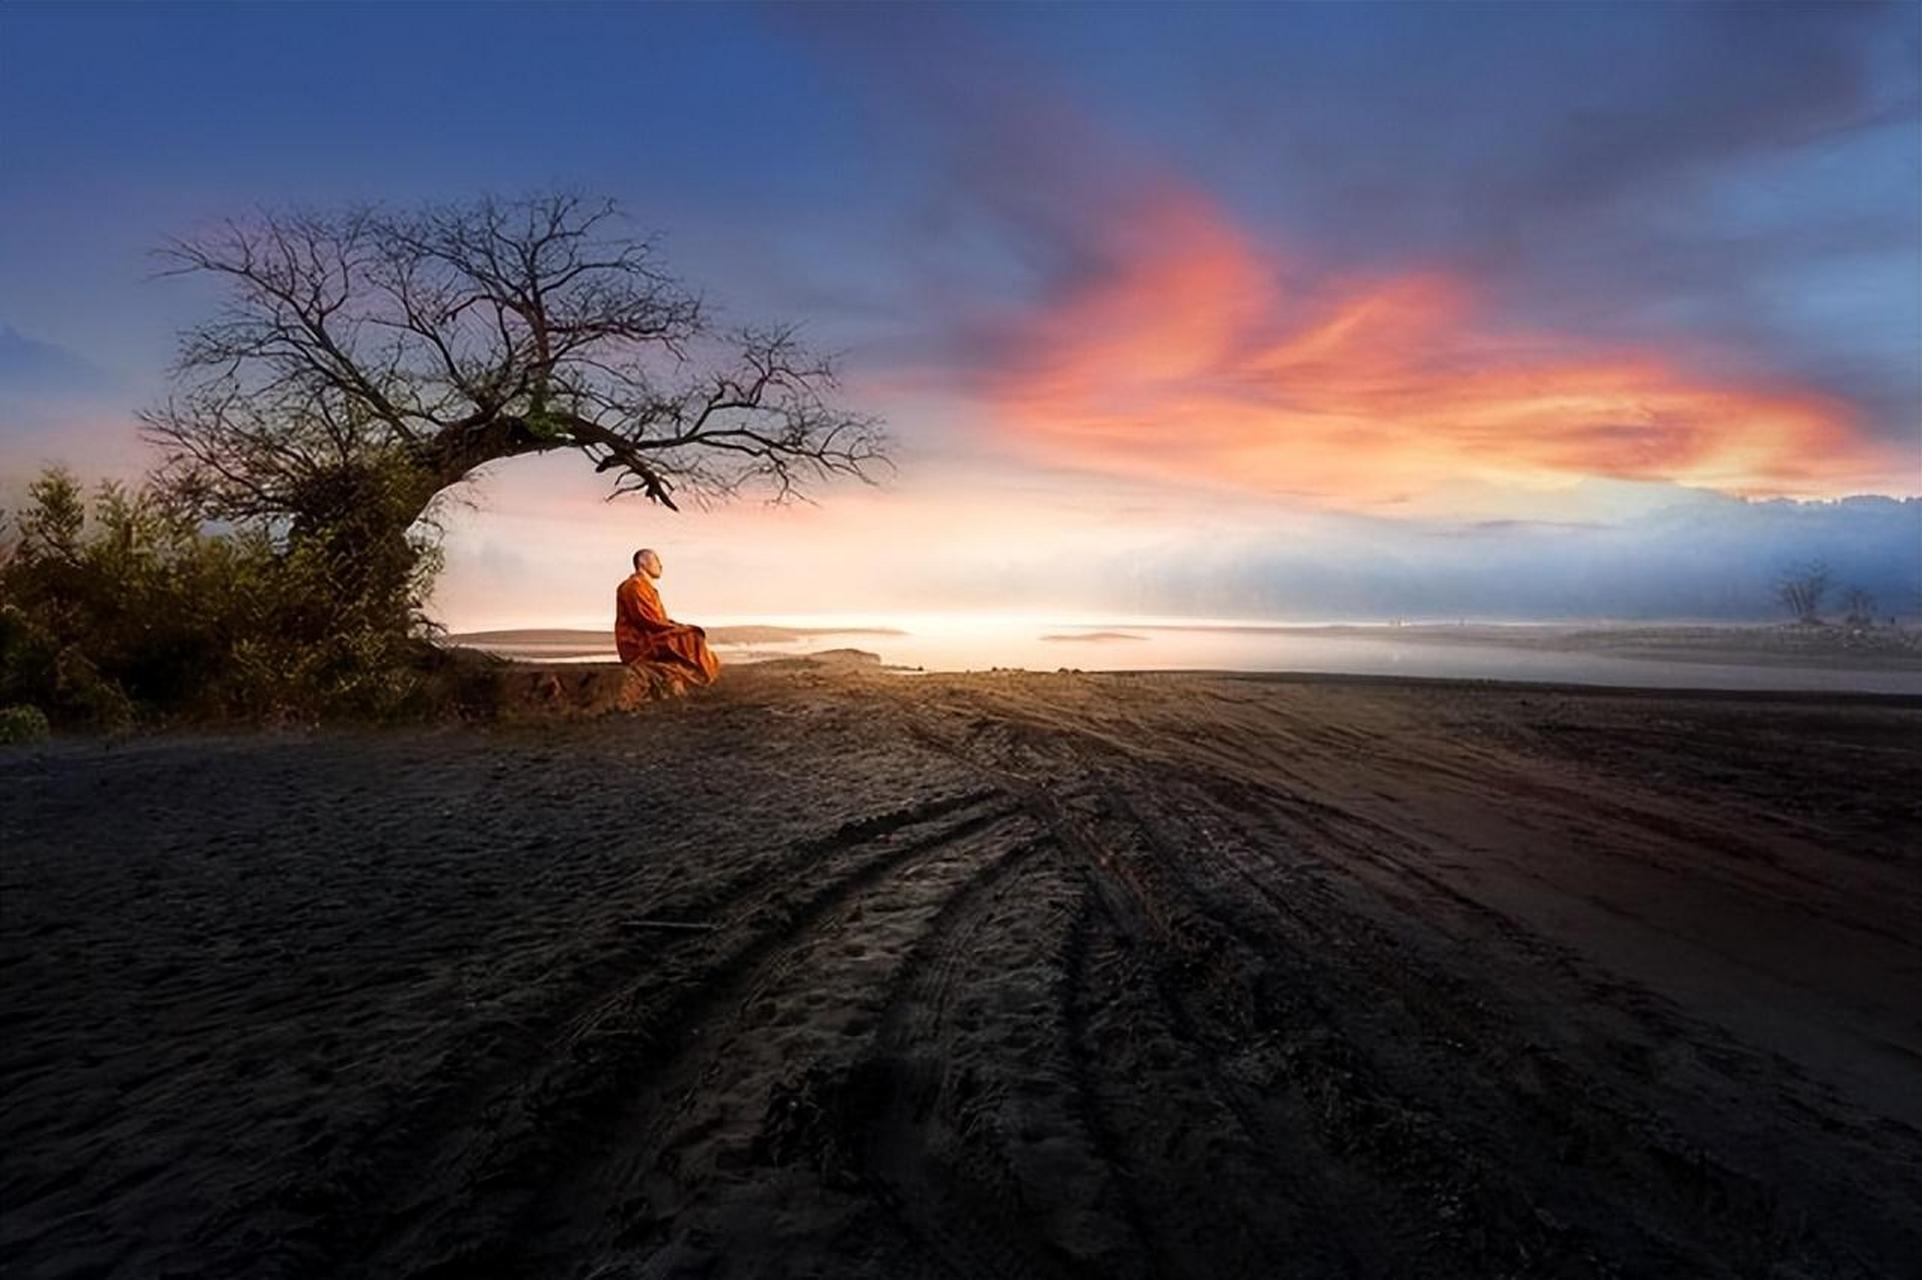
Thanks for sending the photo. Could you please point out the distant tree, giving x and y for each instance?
(1802, 588)
(366, 361)
(1859, 606)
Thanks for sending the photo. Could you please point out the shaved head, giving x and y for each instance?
(647, 560)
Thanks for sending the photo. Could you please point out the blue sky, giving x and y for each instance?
(1703, 221)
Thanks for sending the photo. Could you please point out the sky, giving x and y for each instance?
(1348, 311)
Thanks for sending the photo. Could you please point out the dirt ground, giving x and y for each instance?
(834, 973)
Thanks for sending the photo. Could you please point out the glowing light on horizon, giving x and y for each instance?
(1187, 359)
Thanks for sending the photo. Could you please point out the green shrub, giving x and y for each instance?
(22, 724)
(124, 609)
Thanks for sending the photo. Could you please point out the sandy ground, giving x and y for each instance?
(998, 975)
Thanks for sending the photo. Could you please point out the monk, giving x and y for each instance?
(665, 652)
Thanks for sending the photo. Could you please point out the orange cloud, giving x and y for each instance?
(1188, 358)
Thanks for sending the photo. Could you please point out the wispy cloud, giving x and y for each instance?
(1197, 354)
(35, 367)
(1563, 250)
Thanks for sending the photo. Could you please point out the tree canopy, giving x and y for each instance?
(368, 359)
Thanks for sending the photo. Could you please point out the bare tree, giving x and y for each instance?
(1859, 607)
(368, 360)
(1802, 588)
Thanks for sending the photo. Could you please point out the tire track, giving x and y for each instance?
(1430, 1121)
(1201, 966)
(1158, 920)
(1195, 1038)
(1455, 1020)
(476, 1186)
(1391, 1172)
(912, 1095)
(1095, 1113)
(667, 1139)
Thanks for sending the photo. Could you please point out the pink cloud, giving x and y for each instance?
(1187, 357)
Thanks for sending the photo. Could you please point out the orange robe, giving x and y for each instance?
(644, 633)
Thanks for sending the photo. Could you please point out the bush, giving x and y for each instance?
(124, 608)
(22, 724)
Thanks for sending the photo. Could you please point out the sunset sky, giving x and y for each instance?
(1345, 311)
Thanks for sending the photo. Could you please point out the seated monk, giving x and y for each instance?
(658, 648)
